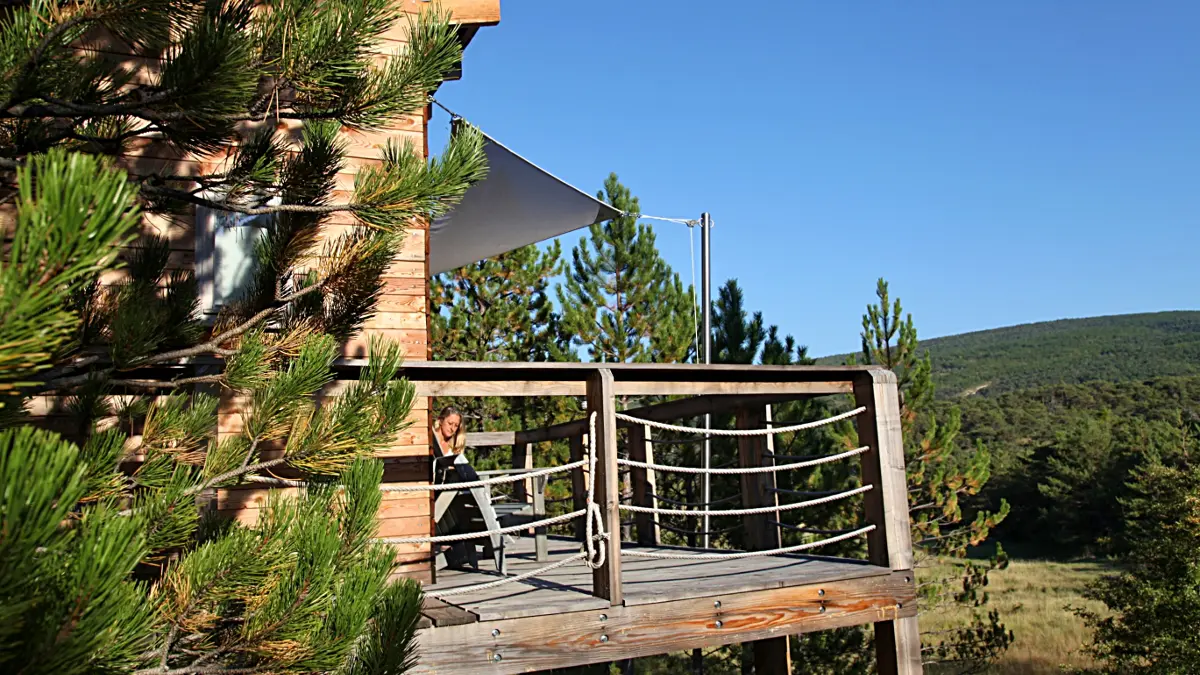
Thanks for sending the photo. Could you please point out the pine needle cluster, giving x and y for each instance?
(109, 559)
(113, 554)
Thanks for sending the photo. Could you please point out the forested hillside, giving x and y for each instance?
(1120, 348)
(1062, 455)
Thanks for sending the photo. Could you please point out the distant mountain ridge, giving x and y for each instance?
(1118, 348)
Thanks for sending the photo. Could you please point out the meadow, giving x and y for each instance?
(1034, 597)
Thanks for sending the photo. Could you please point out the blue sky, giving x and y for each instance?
(997, 162)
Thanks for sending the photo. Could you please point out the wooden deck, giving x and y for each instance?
(553, 620)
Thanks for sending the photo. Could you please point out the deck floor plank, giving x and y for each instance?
(645, 580)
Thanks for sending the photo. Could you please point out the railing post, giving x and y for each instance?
(773, 479)
(522, 458)
(897, 642)
(606, 579)
(541, 549)
(644, 488)
(771, 656)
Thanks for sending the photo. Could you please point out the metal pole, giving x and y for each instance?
(706, 264)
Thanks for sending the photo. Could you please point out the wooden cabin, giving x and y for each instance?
(593, 597)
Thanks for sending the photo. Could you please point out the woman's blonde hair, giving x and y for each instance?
(459, 443)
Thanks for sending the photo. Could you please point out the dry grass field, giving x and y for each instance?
(1033, 598)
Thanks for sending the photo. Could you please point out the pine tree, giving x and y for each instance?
(1153, 603)
(621, 301)
(785, 352)
(500, 310)
(104, 568)
(940, 475)
(735, 340)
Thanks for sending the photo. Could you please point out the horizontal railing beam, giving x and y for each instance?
(515, 388)
(659, 412)
(500, 388)
(490, 439)
(684, 388)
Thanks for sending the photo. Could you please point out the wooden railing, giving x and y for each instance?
(745, 391)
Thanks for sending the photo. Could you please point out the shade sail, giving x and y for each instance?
(516, 205)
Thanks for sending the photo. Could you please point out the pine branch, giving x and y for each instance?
(249, 454)
(166, 384)
(191, 198)
(194, 670)
(167, 644)
(213, 345)
(73, 110)
(234, 473)
(48, 40)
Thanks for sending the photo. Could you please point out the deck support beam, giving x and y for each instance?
(578, 482)
(771, 657)
(535, 643)
(606, 579)
(641, 449)
(898, 641)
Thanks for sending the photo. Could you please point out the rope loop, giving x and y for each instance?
(595, 518)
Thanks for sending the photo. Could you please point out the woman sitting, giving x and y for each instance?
(449, 433)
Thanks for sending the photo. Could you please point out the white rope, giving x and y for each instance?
(662, 555)
(594, 519)
(742, 432)
(476, 535)
(512, 478)
(748, 512)
(681, 221)
(507, 580)
(695, 300)
(753, 469)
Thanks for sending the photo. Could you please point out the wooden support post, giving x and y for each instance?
(522, 458)
(771, 656)
(541, 549)
(756, 486)
(644, 488)
(606, 580)
(578, 484)
(772, 478)
(897, 642)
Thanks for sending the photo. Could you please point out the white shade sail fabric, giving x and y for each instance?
(516, 205)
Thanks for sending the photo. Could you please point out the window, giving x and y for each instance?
(225, 261)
